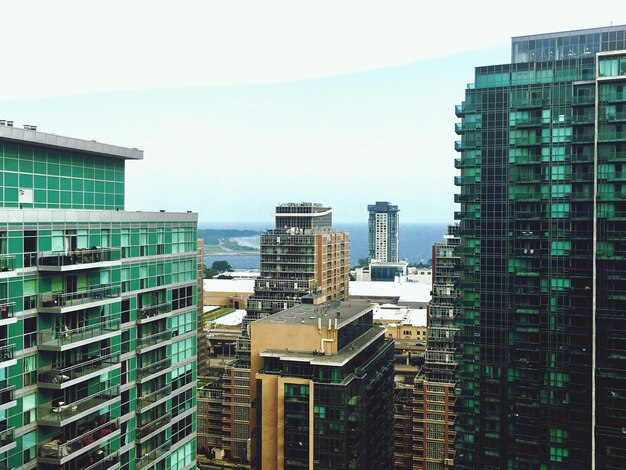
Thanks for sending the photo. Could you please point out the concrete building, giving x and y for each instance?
(383, 231)
(99, 320)
(542, 204)
(323, 382)
(233, 293)
(302, 255)
(402, 323)
(434, 411)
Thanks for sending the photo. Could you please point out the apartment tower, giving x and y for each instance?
(98, 313)
(383, 232)
(322, 376)
(434, 411)
(542, 222)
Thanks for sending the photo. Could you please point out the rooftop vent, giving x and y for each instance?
(30, 127)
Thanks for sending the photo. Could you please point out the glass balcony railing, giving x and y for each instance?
(148, 457)
(153, 311)
(147, 399)
(60, 448)
(95, 293)
(6, 310)
(52, 375)
(6, 392)
(7, 352)
(58, 337)
(54, 412)
(148, 428)
(153, 340)
(7, 435)
(57, 259)
(7, 263)
(101, 460)
(146, 371)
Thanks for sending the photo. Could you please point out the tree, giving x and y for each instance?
(362, 263)
(216, 268)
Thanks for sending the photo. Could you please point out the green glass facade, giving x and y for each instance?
(542, 222)
(98, 320)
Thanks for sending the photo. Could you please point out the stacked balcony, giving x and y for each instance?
(150, 399)
(149, 458)
(151, 424)
(7, 354)
(7, 266)
(58, 378)
(7, 395)
(57, 413)
(61, 261)
(147, 372)
(7, 313)
(153, 312)
(86, 439)
(95, 296)
(7, 438)
(62, 339)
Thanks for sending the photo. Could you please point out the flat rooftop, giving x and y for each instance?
(307, 314)
(406, 291)
(400, 315)
(337, 360)
(29, 136)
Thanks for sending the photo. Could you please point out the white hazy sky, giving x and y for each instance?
(240, 105)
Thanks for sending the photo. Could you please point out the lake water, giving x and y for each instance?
(415, 245)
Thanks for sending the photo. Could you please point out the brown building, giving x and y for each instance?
(322, 376)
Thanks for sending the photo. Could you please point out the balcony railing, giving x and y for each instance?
(58, 337)
(59, 447)
(7, 351)
(154, 339)
(6, 392)
(57, 259)
(148, 399)
(152, 311)
(55, 412)
(6, 310)
(7, 263)
(53, 375)
(95, 293)
(149, 457)
(7, 435)
(148, 428)
(153, 368)
(102, 460)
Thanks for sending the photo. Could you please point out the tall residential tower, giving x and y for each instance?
(543, 206)
(383, 232)
(98, 317)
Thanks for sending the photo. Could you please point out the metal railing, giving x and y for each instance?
(154, 339)
(59, 337)
(153, 397)
(151, 456)
(6, 392)
(55, 411)
(53, 375)
(58, 447)
(102, 462)
(79, 256)
(144, 430)
(7, 310)
(7, 263)
(153, 368)
(7, 435)
(151, 311)
(7, 351)
(94, 294)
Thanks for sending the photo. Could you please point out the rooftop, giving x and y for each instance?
(406, 291)
(344, 312)
(31, 136)
(401, 315)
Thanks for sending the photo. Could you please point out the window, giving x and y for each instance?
(29, 408)
(28, 444)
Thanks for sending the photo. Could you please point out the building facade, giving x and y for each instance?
(383, 232)
(542, 323)
(99, 321)
(434, 406)
(301, 256)
(323, 381)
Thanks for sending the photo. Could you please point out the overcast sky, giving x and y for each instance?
(242, 105)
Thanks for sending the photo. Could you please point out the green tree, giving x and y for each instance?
(217, 268)
(363, 262)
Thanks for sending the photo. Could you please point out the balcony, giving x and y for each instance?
(7, 439)
(57, 413)
(7, 315)
(60, 261)
(7, 266)
(95, 296)
(7, 354)
(59, 378)
(147, 400)
(59, 450)
(102, 461)
(55, 339)
(149, 458)
(7, 398)
(145, 373)
(150, 342)
(144, 431)
(153, 312)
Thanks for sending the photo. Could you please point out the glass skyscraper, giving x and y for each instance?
(543, 228)
(98, 317)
